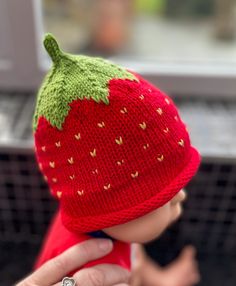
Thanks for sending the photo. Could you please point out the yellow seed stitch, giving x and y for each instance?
(181, 143)
(119, 141)
(167, 100)
(58, 144)
(72, 177)
(80, 193)
(160, 111)
(77, 136)
(146, 146)
(45, 178)
(52, 164)
(160, 158)
(101, 124)
(54, 180)
(134, 175)
(93, 153)
(176, 118)
(166, 130)
(71, 160)
(40, 166)
(120, 162)
(43, 148)
(124, 110)
(141, 97)
(95, 171)
(107, 187)
(149, 90)
(59, 194)
(143, 125)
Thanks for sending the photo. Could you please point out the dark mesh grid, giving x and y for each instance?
(25, 204)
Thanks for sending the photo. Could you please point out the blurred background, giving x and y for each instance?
(188, 49)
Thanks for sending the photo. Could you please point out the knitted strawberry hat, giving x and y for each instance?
(111, 146)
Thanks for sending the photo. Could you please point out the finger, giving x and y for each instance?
(189, 252)
(193, 280)
(191, 265)
(76, 256)
(197, 278)
(103, 274)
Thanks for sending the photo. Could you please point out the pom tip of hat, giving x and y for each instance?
(52, 47)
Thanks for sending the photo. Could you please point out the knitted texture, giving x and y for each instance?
(110, 163)
(73, 77)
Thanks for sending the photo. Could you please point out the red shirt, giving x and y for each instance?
(58, 239)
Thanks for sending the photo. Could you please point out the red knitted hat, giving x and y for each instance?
(111, 146)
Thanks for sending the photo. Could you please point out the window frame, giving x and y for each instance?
(206, 79)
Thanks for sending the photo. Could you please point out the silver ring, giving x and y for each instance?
(68, 281)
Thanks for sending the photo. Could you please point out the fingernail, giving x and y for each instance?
(105, 245)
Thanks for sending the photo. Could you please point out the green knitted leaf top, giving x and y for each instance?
(73, 77)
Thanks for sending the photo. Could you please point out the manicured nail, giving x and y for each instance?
(105, 245)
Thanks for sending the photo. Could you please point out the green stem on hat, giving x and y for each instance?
(71, 78)
(52, 48)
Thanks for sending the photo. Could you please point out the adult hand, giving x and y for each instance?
(53, 271)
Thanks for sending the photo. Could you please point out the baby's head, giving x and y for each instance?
(111, 146)
(151, 225)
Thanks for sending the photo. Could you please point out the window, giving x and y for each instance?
(185, 46)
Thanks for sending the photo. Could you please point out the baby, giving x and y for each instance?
(114, 152)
